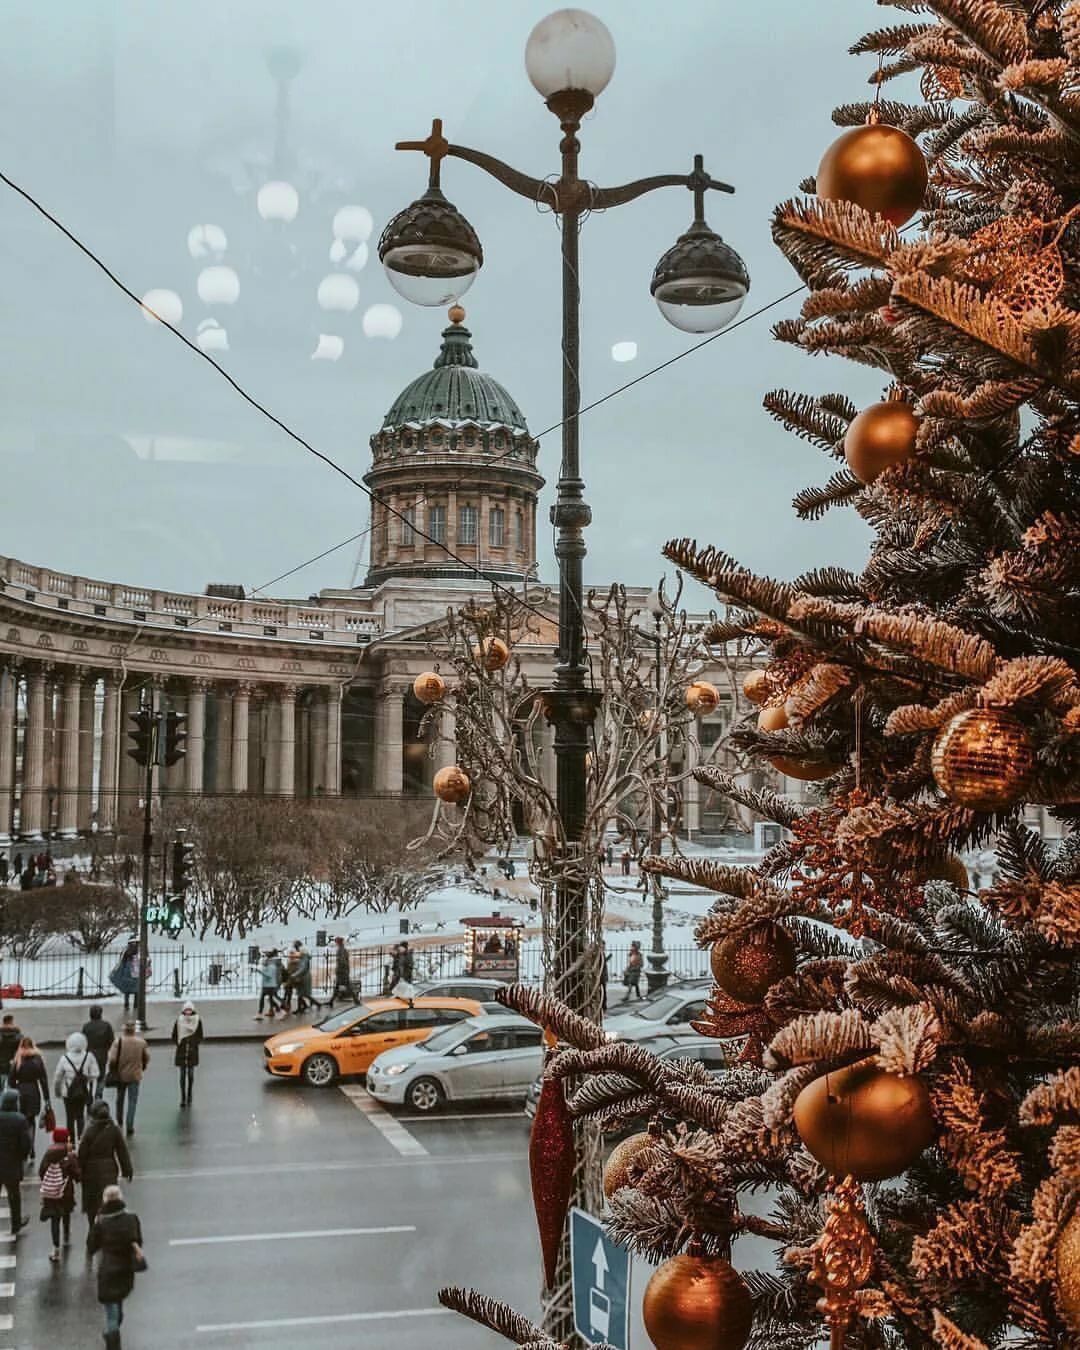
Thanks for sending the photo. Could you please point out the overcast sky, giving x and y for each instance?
(125, 457)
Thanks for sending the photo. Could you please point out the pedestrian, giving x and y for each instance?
(626, 863)
(103, 1159)
(632, 974)
(10, 1036)
(288, 977)
(342, 973)
(610, 855)
(301, 978)
(75, 1081)
(117, 1235)
(127, 1063)
(187, 1034)
(124, 976)
(4, 870)
(401, 969)
(16, 1140)
(59, 1171)
(270, 976)
(26, 879)
(28, 1077)
(99, 1038)
(16, 864)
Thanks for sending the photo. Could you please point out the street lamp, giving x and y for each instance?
(432, 255)
(51, 794)
(657, 974)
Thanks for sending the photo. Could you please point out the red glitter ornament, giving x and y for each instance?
(551, 1167)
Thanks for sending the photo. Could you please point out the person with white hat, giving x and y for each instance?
(187, 1034)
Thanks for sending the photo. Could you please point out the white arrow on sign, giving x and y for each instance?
(600, 1265)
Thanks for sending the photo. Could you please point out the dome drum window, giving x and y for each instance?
(467, 525)
(437, 523)
(496, 527)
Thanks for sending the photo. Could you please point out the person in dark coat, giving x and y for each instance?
(300, 977)
(15, 1140)
(117, 1235)
(28, 1077)
(342, 974)
(402, 966)
(99, 1038)
(187, 1035)
(103, 1158)
(58, 1208)
(10, 1036)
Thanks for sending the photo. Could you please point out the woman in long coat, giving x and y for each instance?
(117, 1235)
(103, 1158)
(30, 1080)
(187, 1034)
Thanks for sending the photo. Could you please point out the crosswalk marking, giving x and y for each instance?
(324, 1320)
(391, 1130)
(7, 1291)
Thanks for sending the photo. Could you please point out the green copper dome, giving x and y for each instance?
(455, 390)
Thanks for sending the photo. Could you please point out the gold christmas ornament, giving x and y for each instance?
(864, 1122)
(429, 687)
(697, 1303)
(702, 697)
(983, 759)
(747, 965)
(617, 1169)
(774, 718)
(950, 869)
(1067, 1272)
(451, 784)
(843, 1259)
(879, 437)
(756, 686)
(877, 167)
(492, 654)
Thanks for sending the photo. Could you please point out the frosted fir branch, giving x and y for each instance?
(811, 503)
(820, 1036)
(772, 805)
(662, 1079)
(908, 1038)
(705, 872)
(552, 1015)
(1054, 1102)
(603, 1091)
(494, 1315)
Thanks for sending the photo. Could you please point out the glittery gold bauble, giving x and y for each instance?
(756, 686)
(881, 435)
(617, 1167)
(747, 965)
(697, 1303)
(983, 759)
(702, 697)
(879, 168)
(774, 718)
(864, 1122)
(950, 869)
(492, 654)
(1067, 1272)
(429, 687)
(451, 784)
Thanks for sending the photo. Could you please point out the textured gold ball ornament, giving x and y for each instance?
(492, 654)
(879, 437)
(1067, 1272)
(451, 784)
(878, 167)
(864, 1122)
(756, 686)
(620, 1160)
(697, 1303)
(983, 759)
(429, 687)
(774, 718)
(702, 697)
(747, 965)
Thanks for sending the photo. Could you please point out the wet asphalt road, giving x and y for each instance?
(250, 1205)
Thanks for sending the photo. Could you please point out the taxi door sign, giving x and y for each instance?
(601, 1277)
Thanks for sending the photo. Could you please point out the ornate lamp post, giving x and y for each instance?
(657, 975)
(432, 256)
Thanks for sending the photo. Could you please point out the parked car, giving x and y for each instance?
(673, 1009)
(464, 986)
(486, 1057)
(348, 1041)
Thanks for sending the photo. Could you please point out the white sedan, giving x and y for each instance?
(488, 1057)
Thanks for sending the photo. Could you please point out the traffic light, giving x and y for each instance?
(181, 866)
(175, 747)
(143, 736)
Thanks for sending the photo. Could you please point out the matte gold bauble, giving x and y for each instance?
(492, 654)
(429, 687)
(617, 1167)
(983, 759)
(702, 697)
(756, 686)
(774, 718)
(950, 869)
(451, 784)
(747, 965)
(697, 1303)
(879, 168)
(864, 1122)
(1067, 1272)
(880, 436)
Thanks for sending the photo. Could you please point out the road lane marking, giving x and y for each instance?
(7, 1322)
(391, 1130)
(6, 1262)
(437, 1117)
(326, 1320)
(282, 1237)
(279, 1169)
(7, 1291)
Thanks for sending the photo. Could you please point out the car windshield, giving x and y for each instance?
(446, 1038)
(344, 1019)
(659, 1008)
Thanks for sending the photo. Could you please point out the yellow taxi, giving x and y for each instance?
(346, 1042)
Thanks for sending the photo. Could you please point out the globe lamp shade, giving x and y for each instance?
(700, 283)
(430, 251)
(218, 285)
(570, 50)
(278, 200)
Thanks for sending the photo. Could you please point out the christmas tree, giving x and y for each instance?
(903, 1121)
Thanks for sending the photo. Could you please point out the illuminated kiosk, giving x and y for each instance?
(492, 946)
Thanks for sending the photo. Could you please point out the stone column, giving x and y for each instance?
(451, 521)
(332, 771)
(8, 682)
(196, 738)
(285, 783)
(692, 790)
(131, 779)
(71, 694)
(32, 810)
(223, 747)
(241, 703)
(87, 718)
(111, 748)
(446, 734)
(318, 743)
(389, 735)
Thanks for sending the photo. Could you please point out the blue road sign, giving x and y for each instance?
(601, 1270)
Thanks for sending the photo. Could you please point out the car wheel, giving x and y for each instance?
(319, 1071)
(424, 1095)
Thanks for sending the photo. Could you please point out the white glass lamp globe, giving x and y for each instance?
(330, 347)
(570, 49)
(211, 337)
(430, 275)
(624, 351)
(162, 306)
(338, 291)
(278, 200)
(353, 224)
(218, 286)
(700, 304)
(382, 321)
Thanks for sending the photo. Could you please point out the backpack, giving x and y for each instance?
(54, 1182)
(78, 1093)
